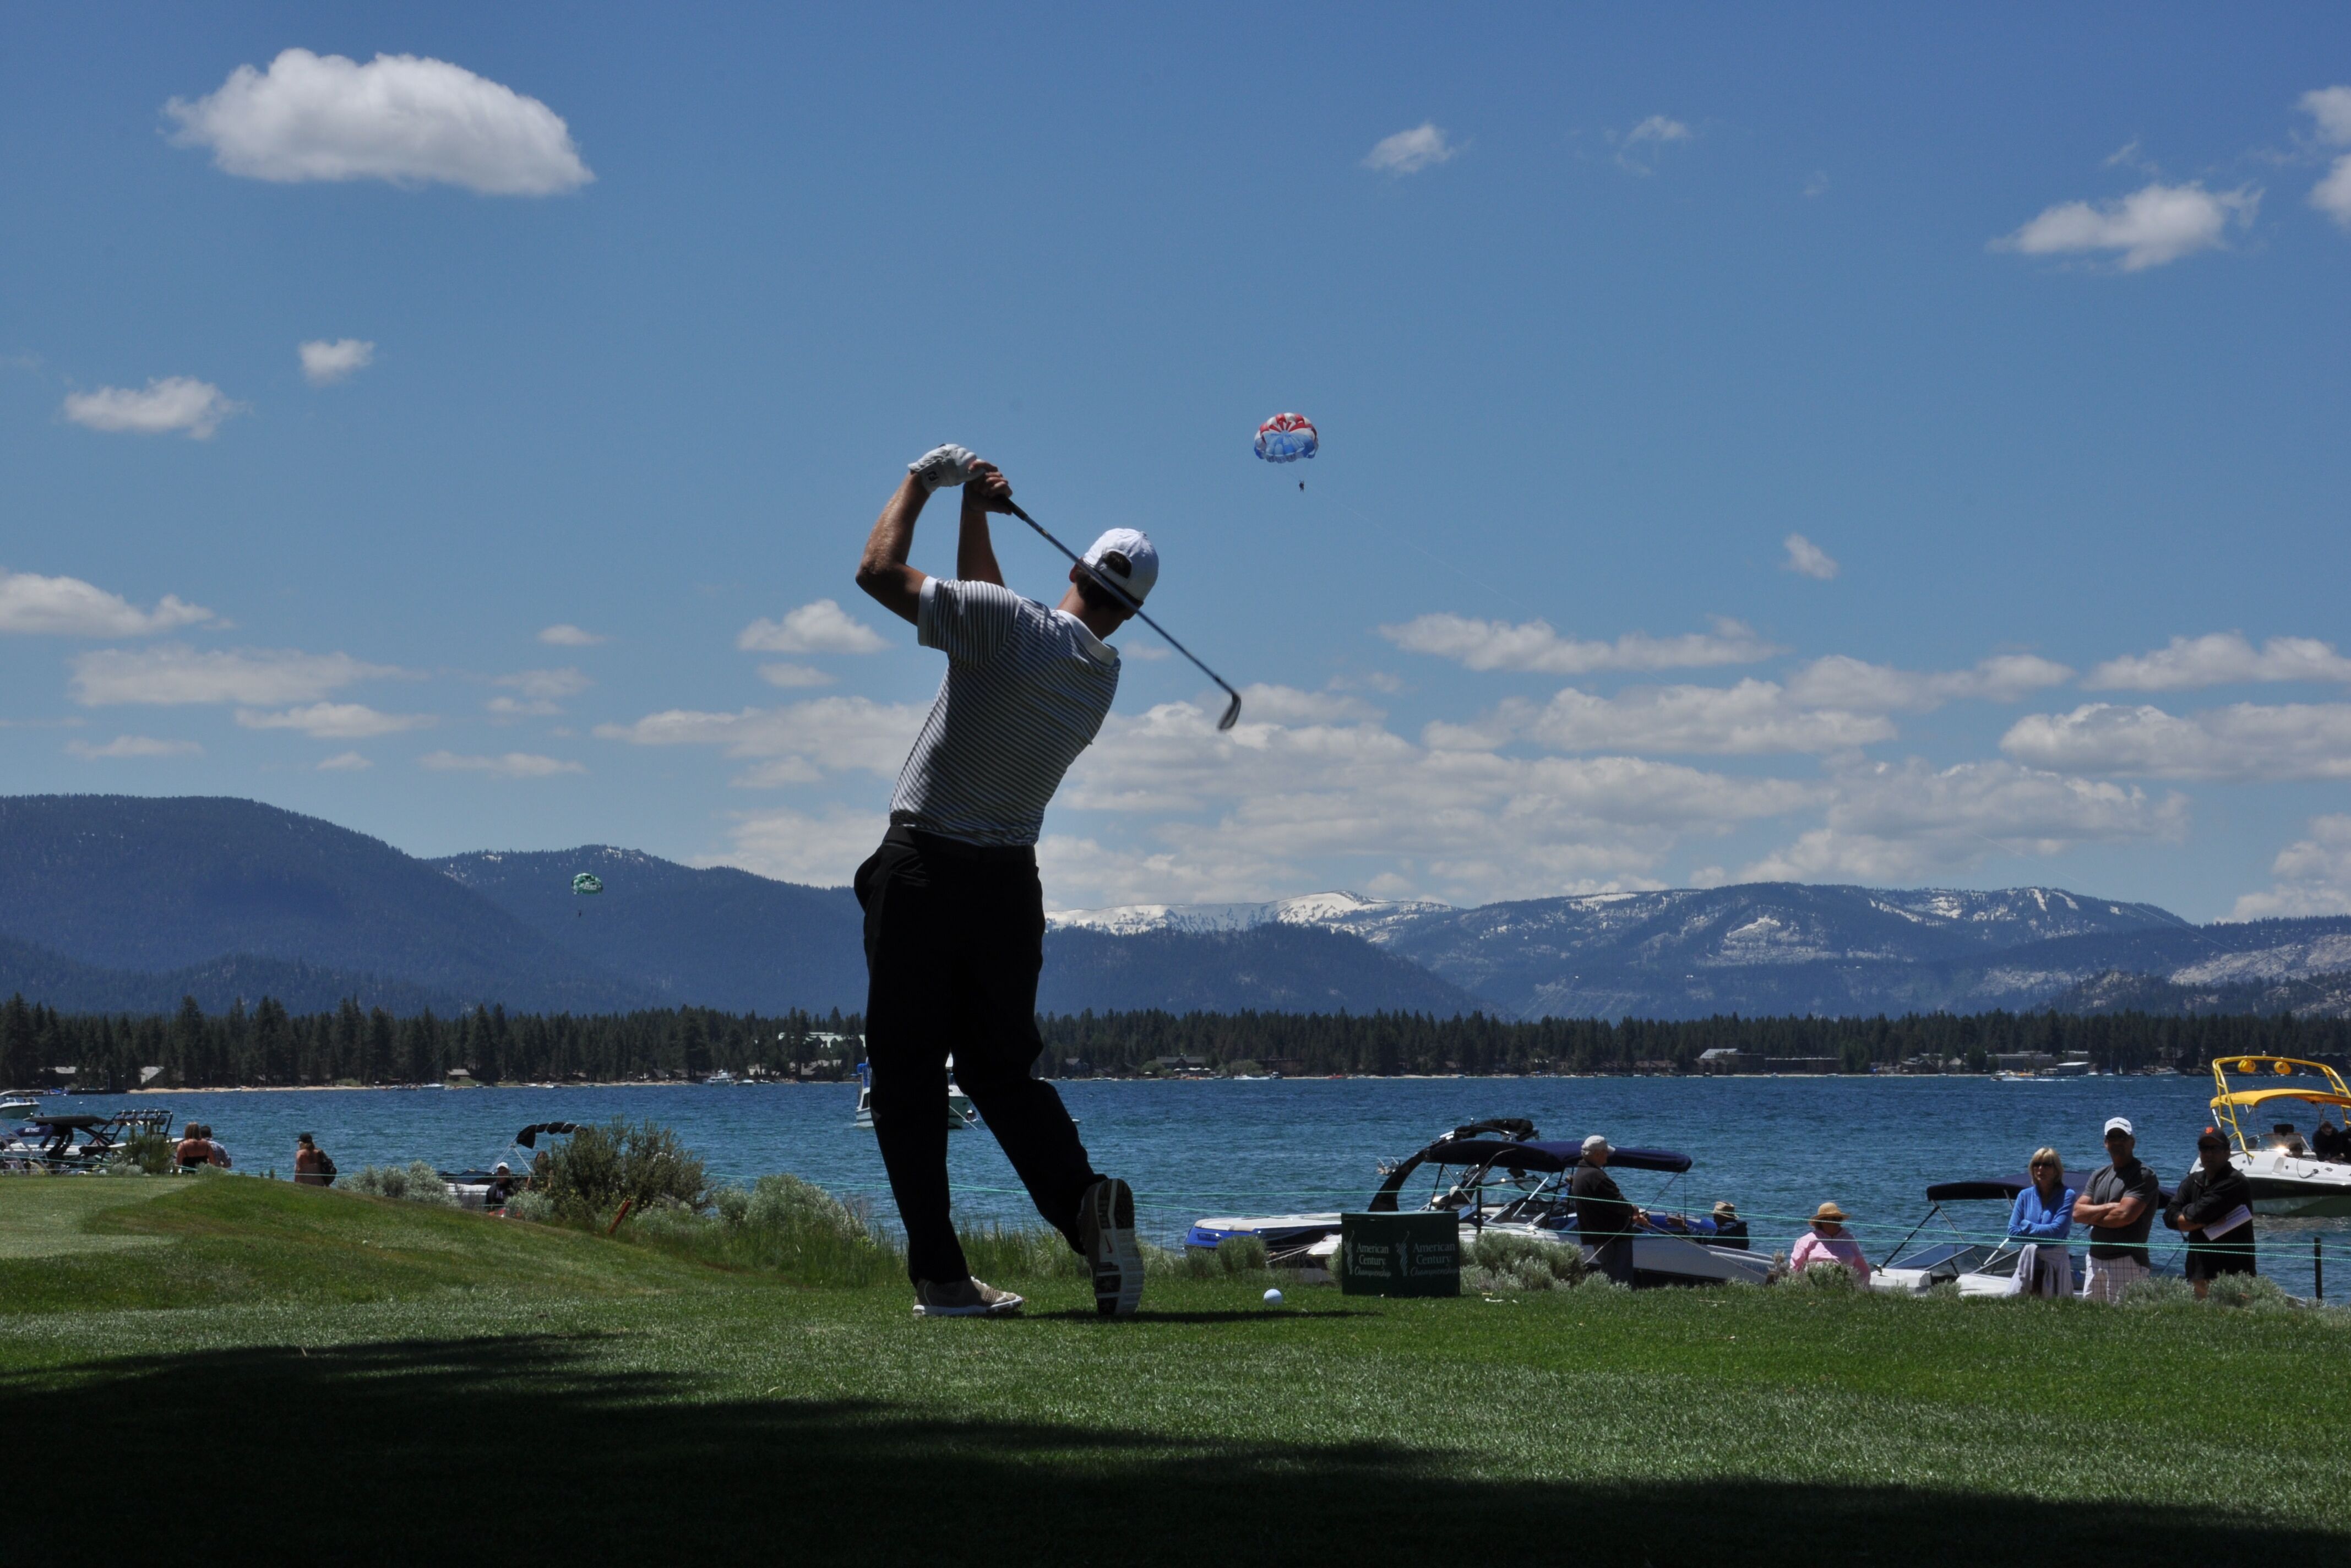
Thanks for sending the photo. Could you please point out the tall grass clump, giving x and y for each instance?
(149, 1153)
(643, 1164)
(416, 1182)
(1825, 1277)
(779, 1224)
(1499, 1265)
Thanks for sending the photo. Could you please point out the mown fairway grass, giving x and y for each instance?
(255, 1367)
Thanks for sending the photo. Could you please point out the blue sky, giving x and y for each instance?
(2029, 329)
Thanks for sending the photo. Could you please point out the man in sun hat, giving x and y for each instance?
(1827, 1242)
(955, 917)
(1730, 1230)
(1604, 1220)
(2118, 1204)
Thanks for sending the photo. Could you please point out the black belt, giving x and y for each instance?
(959, 849)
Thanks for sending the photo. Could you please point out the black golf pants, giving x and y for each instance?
(955, 937)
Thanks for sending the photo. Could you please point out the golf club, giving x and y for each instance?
(1233, 710)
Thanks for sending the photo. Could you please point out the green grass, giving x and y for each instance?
(276, 1368)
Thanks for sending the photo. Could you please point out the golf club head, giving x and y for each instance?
(1232, 713)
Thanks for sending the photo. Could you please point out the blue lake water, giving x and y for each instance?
(1775, 1146)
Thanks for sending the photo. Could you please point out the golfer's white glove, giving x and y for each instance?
(943, 468)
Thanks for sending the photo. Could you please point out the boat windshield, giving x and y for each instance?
(1952, 1257)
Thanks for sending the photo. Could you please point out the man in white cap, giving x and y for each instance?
(955, 918)
(2118, 1204)
(1604, 1220)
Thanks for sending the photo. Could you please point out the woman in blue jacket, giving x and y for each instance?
(2041, 1219)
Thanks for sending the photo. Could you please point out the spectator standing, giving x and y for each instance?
(2213, 1208)
(2118, 1204)
(312, 1166)
(1827, 1242)
(1603, 1219)
(2041, 1219)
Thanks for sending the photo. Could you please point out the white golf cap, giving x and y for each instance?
(1594, 1143)
(2120, 1124)
(1143, 561)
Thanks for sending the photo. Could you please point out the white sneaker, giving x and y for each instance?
(1106, 1224)
(963, 1298)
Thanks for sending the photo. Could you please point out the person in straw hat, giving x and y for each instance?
(1730, 1230)
(1827, 1242)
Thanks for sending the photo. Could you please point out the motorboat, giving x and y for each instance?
(64, 1143)
(1981, 1263)
(722, 1079)
(962, 1114)
(2291, 1174)
(491, 1188)
(1501, 1179)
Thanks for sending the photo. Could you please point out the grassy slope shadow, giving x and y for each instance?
(464, 1449)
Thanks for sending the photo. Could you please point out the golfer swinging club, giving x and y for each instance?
(955, 917)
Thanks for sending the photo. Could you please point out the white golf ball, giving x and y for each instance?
(1273, 1298)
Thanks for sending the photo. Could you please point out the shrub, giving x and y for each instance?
(415, 1182)
(530, 1204)
(2157, 1290)
(1825, 1277)
(150, 1151)
(643, 1165)
(1498, 1264)
(1241, 1254)
(2258, 1291)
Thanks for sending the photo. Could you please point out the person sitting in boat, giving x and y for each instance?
(1604, 1220)
(502, 1186)
(2213, 1208)
(2041, 1219)
(2329, 1142)
(1827, 1242)
(1730, 1230)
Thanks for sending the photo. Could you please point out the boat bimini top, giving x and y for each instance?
(2316, 1084)
(1528, 1157)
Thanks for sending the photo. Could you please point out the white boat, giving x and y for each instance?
(962, 1114)
(722, 1079)
(1508, 1183)
(2291, 1175)
(1981, 1263)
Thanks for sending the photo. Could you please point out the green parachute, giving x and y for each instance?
(586, 882)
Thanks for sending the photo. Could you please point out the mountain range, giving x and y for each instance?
(122, 903)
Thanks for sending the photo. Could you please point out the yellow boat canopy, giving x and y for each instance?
(2248, 1098)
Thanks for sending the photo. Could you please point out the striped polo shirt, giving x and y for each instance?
(1027, 690)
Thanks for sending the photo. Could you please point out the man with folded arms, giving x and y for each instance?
(955, 917)
(2213, 1207)
(2118, 1204)
(1604, 1220)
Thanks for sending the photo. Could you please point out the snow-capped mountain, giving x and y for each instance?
(1335, 911)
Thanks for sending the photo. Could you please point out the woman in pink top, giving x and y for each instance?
(1827, 1242)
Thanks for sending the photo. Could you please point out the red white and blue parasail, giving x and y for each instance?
(1286, 438)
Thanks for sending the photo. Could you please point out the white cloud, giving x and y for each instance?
(1637, 148)
(398, 117)
(345, 762)
(2221, 659)
(68, 607)
(1808, 559)
(2332, 195)
(1532, 645)
(2313, 874)
(325, 363)
(2246, 741)
(133, 746)
(565, 635)
(794, 675)
(334, 721)
(2329, 109)
(2152, 225)
(1891, 823)
(1410, 152)
(794, 847)
(511, 765)
(836, 734)
(1843, 682)
(543, 692)
(167, 403)
(173, 673)
(823, 627)
(1751, 718)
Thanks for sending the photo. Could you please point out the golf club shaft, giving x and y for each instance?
(1232, 713)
